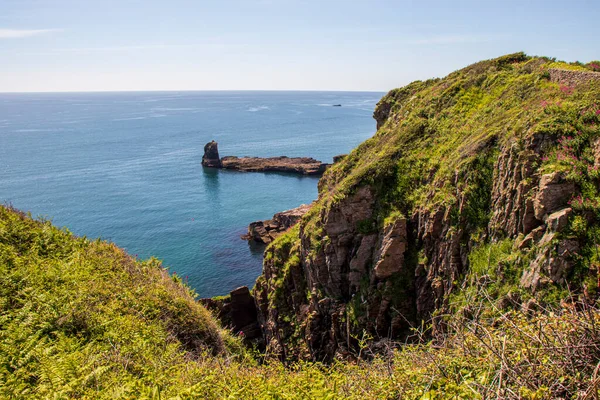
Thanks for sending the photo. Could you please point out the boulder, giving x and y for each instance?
(557, 221)
(553, 193)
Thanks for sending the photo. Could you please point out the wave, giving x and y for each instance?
(36, 130)
(173, 109)
(259, 108)
(130, 119)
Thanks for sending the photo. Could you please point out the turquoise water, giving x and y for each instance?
(126, 167)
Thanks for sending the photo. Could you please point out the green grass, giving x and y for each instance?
(79, 315)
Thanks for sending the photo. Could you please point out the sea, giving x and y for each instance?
(125, 167)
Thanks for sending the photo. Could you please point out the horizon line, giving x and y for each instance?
(191, 90)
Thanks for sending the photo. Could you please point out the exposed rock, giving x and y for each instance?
(512, 207)
(238, 312)
(382, 112)
(596, 149)
(558, 220)
(211, 155)
(554, 191)
(531, 238)
(553, 263)
(266, 231)
(509, 300)
(297, 165)
(361, 261)
(390, 258)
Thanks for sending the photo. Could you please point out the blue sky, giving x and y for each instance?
(97, 45)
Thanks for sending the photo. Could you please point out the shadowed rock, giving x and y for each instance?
(238, 312)
(211, 155)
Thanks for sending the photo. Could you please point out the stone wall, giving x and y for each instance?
(572, 78)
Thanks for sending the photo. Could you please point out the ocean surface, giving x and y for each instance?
(126, 167)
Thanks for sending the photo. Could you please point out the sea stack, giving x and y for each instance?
(211, 155)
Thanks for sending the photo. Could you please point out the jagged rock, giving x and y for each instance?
(553, 263)
(558, 220)
(243, 312)
(531, 238)
(361, 261)
(553, 193)
(513, 209)
(382, 112)
(390, 258)
(238, 312)
(211, 155)
(267, 231)
(561, 262)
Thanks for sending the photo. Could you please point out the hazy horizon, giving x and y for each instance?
(196, 90)
(55, 46)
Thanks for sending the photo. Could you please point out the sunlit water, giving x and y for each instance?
(126, 167)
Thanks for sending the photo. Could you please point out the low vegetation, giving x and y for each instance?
(82, 319)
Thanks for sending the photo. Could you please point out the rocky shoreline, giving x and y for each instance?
(266, 231)
(296, 165)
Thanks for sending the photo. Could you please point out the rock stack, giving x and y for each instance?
(211, 155)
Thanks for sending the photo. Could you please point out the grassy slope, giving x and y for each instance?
(80, 315)
(82, 319)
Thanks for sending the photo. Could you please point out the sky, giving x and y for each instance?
(123, 45)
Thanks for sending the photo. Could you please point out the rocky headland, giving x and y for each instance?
(482, 182)
(296, 165)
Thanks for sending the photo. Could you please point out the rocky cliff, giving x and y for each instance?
(485, 180)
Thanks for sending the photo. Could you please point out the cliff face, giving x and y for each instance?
(484, 179)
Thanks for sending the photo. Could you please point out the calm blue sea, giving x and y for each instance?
(126, 167)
